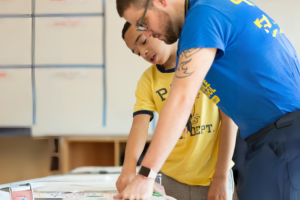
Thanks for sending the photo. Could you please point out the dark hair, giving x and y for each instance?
(123, 5)
(125, 29)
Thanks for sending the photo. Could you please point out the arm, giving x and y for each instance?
(192, 67)
(228, 132)
(135, 145)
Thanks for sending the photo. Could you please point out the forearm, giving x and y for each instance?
(185, 86)
(171, 122)
(135, 143)
(226, 146)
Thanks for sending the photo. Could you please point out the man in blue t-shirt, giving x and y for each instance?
(242, 60)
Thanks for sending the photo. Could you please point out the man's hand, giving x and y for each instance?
(140, 188)
(218, 190)
(124, 179)
(158, 188)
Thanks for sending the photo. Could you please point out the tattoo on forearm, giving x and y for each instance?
(183, 65)
(188, 53)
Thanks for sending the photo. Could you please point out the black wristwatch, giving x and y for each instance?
(147, 172)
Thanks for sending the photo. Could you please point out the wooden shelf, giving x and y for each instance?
(91, 151)
(47, 156)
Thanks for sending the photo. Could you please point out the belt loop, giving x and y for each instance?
(284, 122)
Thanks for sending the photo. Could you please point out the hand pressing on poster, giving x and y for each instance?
(158, 188)
(126, 177)
(140, 188)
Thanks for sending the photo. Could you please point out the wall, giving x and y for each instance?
(53, 73)
(77, 89)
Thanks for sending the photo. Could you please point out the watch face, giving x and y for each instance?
(144, 171)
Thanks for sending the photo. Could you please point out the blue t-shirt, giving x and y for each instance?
(255, 77)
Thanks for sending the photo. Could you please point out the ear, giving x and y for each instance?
(161, 3)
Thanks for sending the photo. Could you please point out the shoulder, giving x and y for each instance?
(208, 10)
(147, 76)
(218, 5)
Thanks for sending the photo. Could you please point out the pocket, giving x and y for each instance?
(253, 150)
(262, 175)
(294, 172)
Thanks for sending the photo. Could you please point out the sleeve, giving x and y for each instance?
(206, 27)
(144, 98)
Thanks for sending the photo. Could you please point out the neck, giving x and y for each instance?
(171, 62)
(179, 6)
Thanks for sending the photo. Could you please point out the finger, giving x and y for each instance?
(120, 188)
(159, 188)
(162, 190)
(118, 196)
(120, 185)
(211, 197)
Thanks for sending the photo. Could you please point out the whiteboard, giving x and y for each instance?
(15, 41)
(69, 101)
(68, 6)
(69, 40)
(15, 7)
(16, 97)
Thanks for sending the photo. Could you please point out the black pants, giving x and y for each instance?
(271, 169)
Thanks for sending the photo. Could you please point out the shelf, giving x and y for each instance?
(91, 151)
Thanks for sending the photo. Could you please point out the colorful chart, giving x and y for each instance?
(91, 195)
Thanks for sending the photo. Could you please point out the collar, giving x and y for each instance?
(162, 70)
(187, 6)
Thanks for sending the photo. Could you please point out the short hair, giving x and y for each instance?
(123, 5)
(125, 29)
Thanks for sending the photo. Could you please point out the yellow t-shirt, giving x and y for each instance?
(193, 159)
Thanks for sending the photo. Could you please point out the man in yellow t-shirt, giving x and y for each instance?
(199, 165)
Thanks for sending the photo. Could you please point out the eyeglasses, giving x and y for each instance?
(141, 27)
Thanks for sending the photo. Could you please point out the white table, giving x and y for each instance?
(74, 185)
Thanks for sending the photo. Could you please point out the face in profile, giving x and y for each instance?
(151, 49)
(159, 23)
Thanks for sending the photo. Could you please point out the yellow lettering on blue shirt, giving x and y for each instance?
(208, 91)
(240, 1)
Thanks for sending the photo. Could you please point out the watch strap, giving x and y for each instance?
(152, 174)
